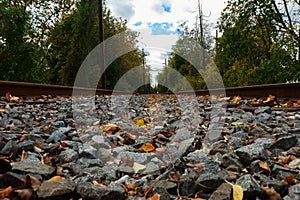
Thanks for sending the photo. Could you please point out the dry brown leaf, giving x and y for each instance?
(24, 194)
(110, 128)
(56, 179)
(154, 197)
(11, 98)
(4, 110)
(24, 155)
(289, 179)
(147, 191)
(22, 138)
(147, 147)
(6, 192)
(264, 165)
(273, 195)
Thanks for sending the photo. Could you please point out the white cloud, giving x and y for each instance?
(157, 21)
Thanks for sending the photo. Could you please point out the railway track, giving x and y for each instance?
(290, 90)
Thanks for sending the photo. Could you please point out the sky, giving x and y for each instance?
(157, 21)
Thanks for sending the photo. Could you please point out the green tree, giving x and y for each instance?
(16, 52)
(259, 42)
(77, 34)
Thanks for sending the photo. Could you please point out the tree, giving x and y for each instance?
(16, 53)
(77, 34)
(259, 42)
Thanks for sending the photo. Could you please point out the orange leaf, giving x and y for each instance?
(139, 122)
(6, 192)
(298, 102)
(130, 186)
(24, 155)
(154, 197)
(56, 179)
(147, 147)
(22, 138)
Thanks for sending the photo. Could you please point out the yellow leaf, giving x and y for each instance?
(139, 122)
(147, 147)
(237, 192)
(137, 167)
(56, 179)
(271, 98)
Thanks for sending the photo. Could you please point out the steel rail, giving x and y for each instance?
(284, 90)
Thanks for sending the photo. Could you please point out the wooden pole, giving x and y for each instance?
(101, 29)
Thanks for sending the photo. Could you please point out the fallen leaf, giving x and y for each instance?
(273, 195)
(264, 165)
(22, 138)
(139, 122)
(110, 128)
(237, 123)
(24, 194)
(154, 197)
(298, 102)
(130, 186)
(147, 191)
(238, 192)
(147, 147)
(137, 167)
(11, 98)
(56, 179)
(24, 155)
(271, 98)
(6, 192)
(4, 110)
(289, 179)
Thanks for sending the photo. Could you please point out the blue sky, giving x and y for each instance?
(158, 22)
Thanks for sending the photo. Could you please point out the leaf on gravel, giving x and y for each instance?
(110, 128)
(271, 98)
(4, 110)
(56, 179)
(154, 197)
(237, 123)
(289, 179)
(130, 186)
(6, 192)
(24, 155)
(11, 98)
(147, 147)
(137, 167)
(273, 195)
(22, 194)
(264, 165)
(139, 122)
(238, 192)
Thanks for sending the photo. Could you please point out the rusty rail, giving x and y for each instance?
(289, 90)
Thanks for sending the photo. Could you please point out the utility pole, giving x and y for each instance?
(299, 48)
(201, 32)
(102, 55)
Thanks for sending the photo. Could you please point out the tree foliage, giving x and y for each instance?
(259, 42)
